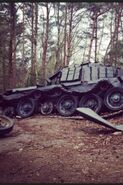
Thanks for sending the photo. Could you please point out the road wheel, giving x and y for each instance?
(114, 99)
(46, 107)
(91, 101)
(26, 107)
(66, 105)
(6, 125)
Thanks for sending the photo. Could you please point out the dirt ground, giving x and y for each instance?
(44, 149)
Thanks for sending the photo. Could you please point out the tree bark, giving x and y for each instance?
(23, 51)
(12, 47)
(58, 40)
(34, 42)
(65, 38)
(69, 52)
(32, 79)
(95, 37)
(45, 44)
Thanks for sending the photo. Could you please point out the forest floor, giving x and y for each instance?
(49, 149)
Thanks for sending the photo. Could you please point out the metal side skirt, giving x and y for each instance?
(93, 116)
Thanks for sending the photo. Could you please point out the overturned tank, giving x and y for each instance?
(91, 85)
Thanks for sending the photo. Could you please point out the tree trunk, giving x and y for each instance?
(32, 76)
(45, 43)
(4, 80)
(35, 43)
(12, 47)
(95, 37)
(58, 40)
(23, 53)
(65, 38)
(69, 52)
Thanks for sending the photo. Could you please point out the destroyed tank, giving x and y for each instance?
(92, 85)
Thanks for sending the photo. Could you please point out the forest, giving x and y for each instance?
(37, 39)
(49, 133)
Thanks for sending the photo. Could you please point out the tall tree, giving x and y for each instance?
(33, 75)
(58, 36)
(118, 12)
(65, 34)
(4, 31)
(23, 51)
(45, 43)
(34, 43)
(12, 46)
(111, 54)
(36, 33)
(96, 10)
(69, 38)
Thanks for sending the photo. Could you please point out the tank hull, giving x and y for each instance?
(86, 85)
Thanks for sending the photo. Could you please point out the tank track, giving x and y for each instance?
(103, 115)
(96, 86)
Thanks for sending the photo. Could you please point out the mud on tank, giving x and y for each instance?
(92, 85)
